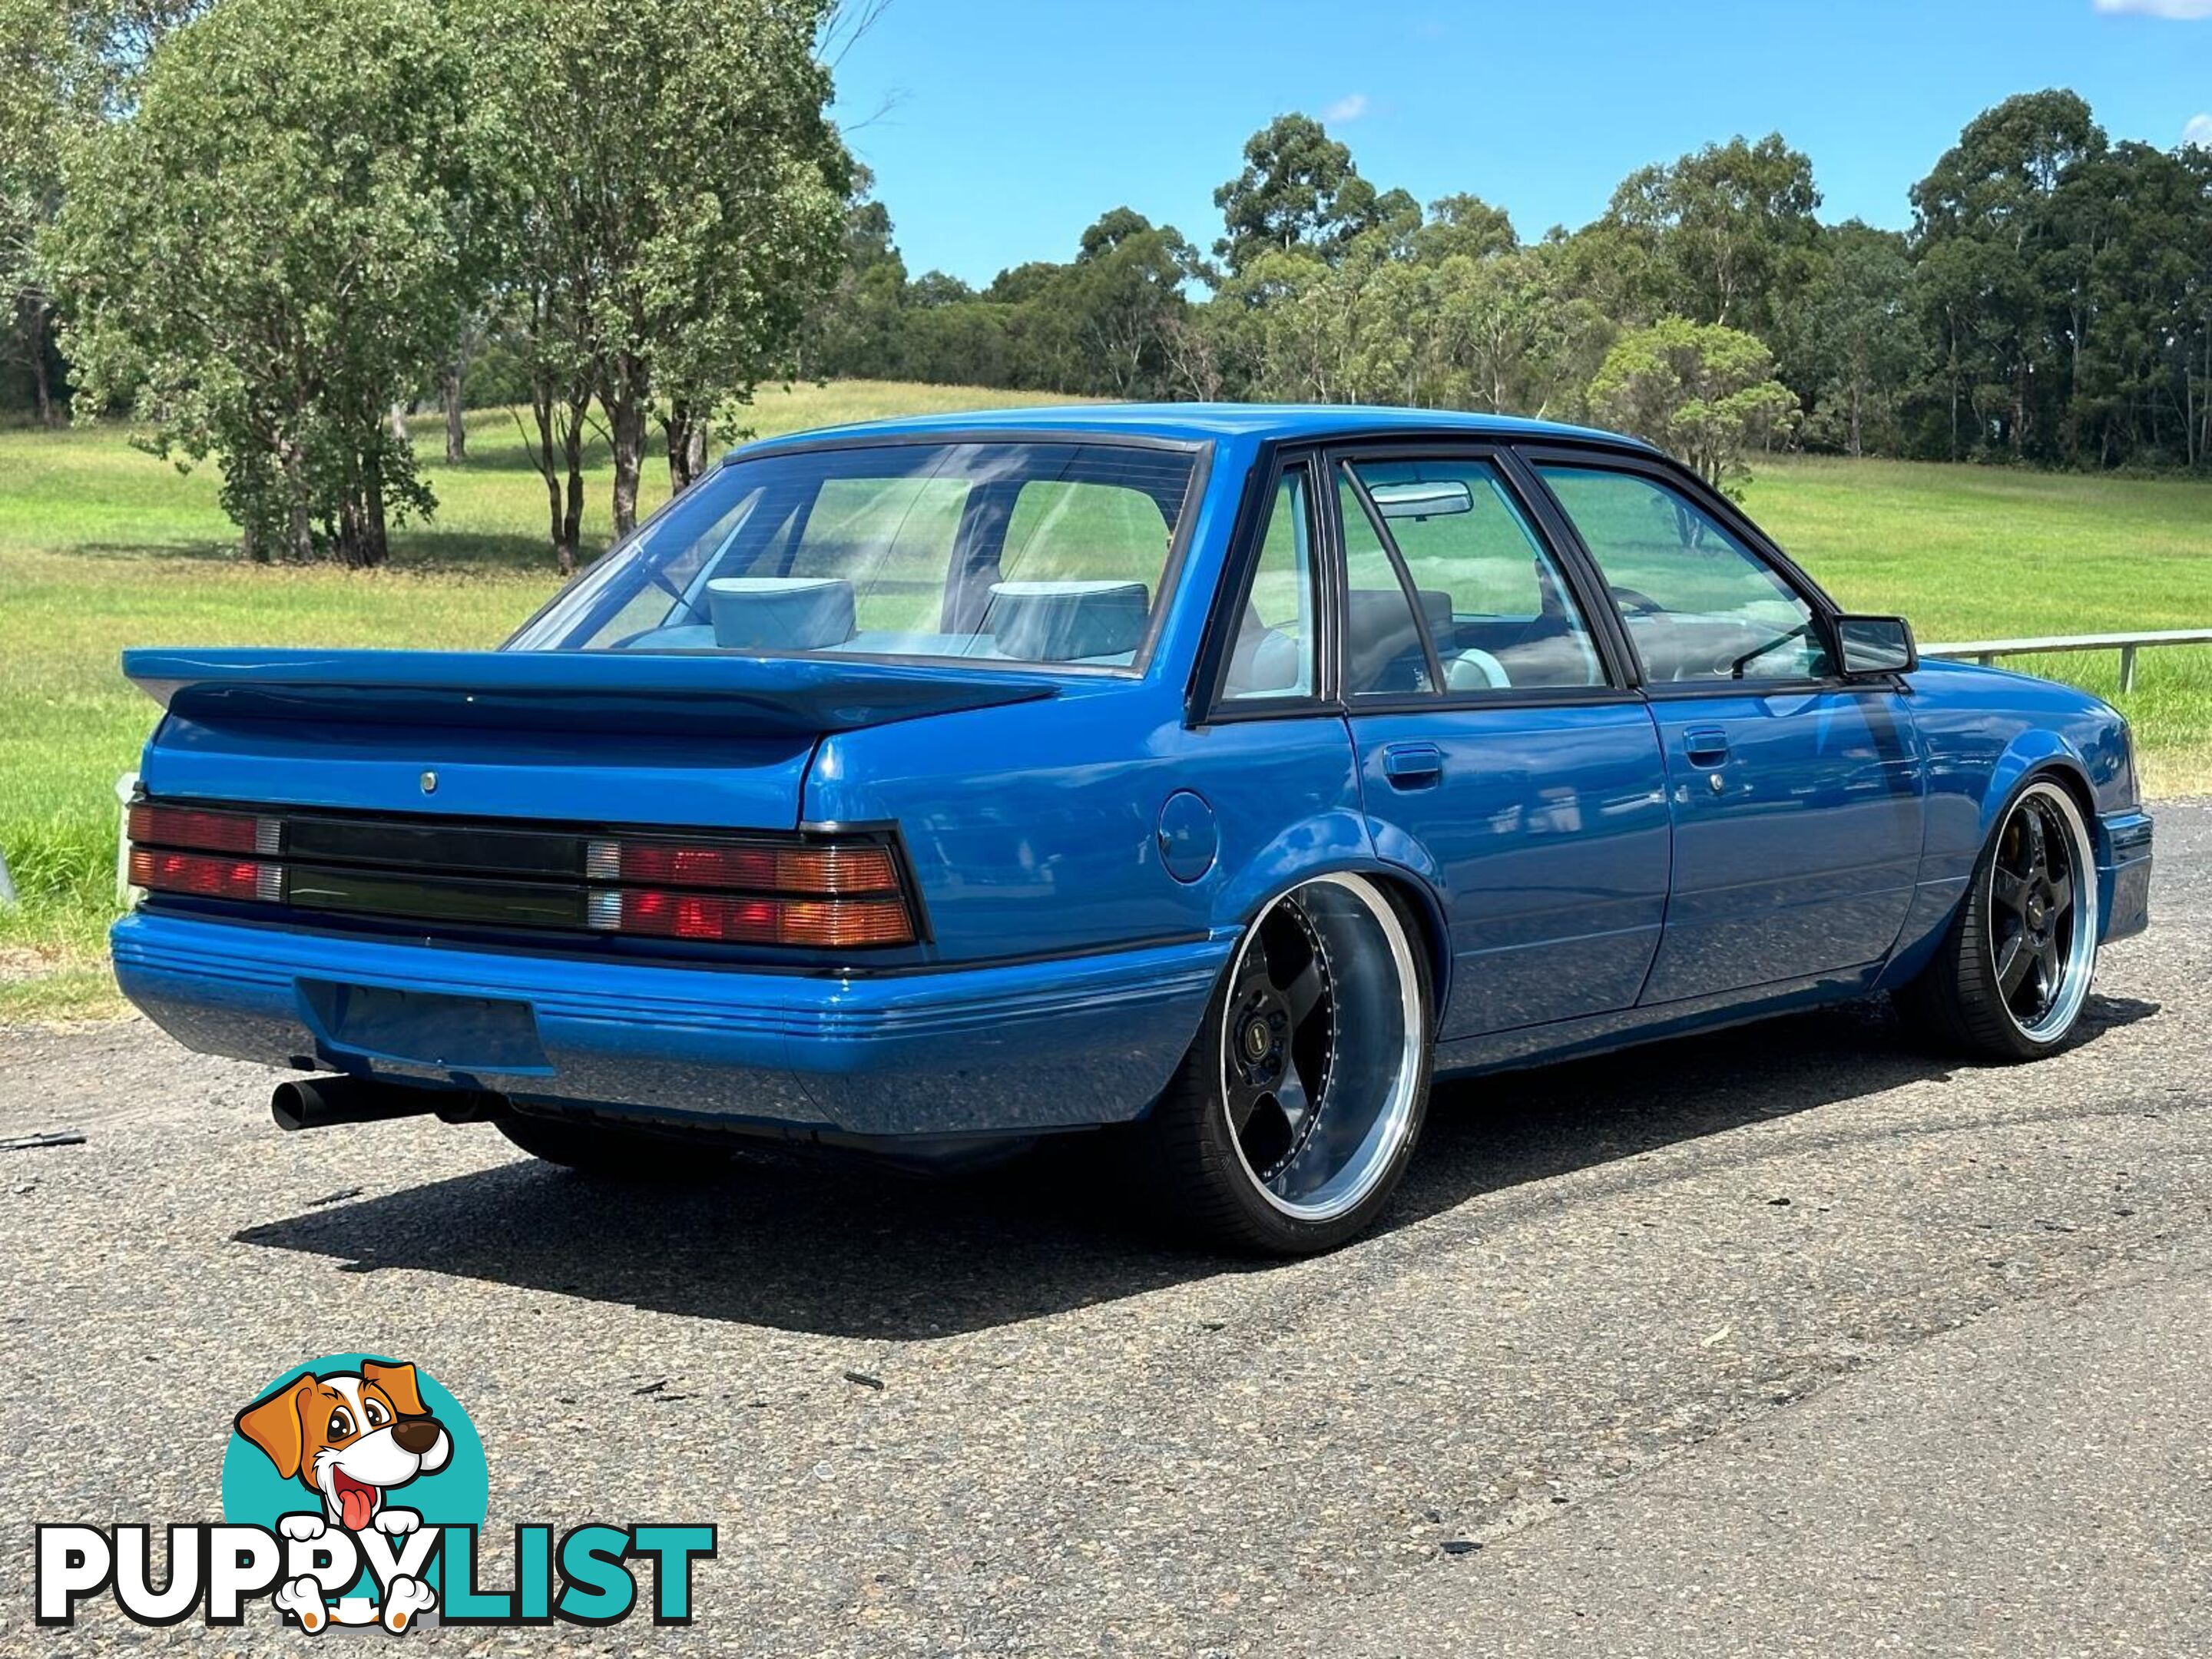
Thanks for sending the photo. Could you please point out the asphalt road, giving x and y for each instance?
(1790, 1339)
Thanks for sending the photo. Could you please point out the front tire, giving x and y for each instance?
(1295, 1112)
(2010, 980)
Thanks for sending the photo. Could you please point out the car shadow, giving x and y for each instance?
(849, 1249)
(1516, 1128)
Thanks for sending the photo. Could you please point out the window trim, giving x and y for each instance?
(1669, 474)
(1568, 560)
(1516, 458)
(1340, 474)
(1207, 702)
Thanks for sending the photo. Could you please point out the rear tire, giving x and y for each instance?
(1292, 1118)
(609, 1152)
(2010, 980)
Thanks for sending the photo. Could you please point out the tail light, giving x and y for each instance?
(835, 892)
(831, 894)
(193, 851)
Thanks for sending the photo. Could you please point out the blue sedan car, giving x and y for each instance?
(1220, 774)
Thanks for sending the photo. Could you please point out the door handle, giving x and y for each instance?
(1705, 745)
(1411, 765)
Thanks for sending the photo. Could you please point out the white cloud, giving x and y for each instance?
(1353, 107)
(2178, 8)
(2198, 132)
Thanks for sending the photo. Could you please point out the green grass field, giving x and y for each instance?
(102, 546)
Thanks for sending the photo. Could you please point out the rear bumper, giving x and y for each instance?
(1001, 1049)
(2123, 872)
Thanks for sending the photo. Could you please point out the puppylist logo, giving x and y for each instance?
(354, 1488)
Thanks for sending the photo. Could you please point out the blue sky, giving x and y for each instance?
(999, 128)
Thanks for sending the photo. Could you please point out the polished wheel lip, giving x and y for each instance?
(2078, 962)
(1346, 1190)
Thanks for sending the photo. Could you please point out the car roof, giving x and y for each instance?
(1198, 422)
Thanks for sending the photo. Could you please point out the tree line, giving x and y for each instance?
(261, 228)
(2052, 303)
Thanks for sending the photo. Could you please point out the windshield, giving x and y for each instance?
(995, 552)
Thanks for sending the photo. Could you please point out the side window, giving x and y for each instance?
(1699, 605)
(1274, 656)
(1384, 653)
(1498, 609)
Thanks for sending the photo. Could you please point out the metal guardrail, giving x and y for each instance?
(1986, 652)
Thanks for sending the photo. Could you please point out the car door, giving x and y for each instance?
(1500, 750)
(1797, 795)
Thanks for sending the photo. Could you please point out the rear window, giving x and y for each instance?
(987, 552)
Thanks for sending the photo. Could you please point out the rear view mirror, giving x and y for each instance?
(1876, 645)
(1422, 500)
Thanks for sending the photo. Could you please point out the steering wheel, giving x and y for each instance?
(1636, 603)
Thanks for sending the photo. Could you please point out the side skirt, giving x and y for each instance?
(1594, 1034)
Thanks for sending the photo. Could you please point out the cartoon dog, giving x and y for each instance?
(349, 1437)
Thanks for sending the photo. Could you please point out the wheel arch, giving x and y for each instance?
(2041, 755)
(1327, 848)
(1424, 912)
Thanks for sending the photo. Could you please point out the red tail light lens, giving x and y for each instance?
(728, 919)
(200, 875)
(202, 830)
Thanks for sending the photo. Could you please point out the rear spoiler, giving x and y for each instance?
(567, 691)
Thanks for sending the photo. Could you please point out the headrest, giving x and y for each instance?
(1436, 606)
(1265, 661)
(781, 613)
(1065, 621)
(1384, 643)
(1384, 608)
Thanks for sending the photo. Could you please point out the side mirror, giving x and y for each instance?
(1874, 646)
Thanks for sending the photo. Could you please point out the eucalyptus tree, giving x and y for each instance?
(1982, 226)
(1518, 336)
(1858, 334)
(1731, 221)
(854, 328)
(262, 253)
(65, 66)
(2127, 275)
(1123, 297)
(1704, 392)
(1300, 191)
(682, 206)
